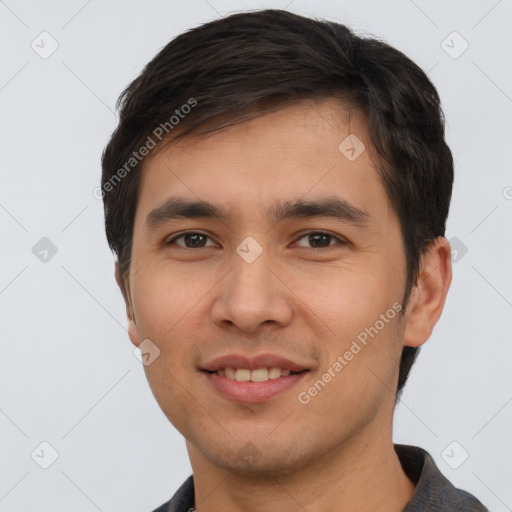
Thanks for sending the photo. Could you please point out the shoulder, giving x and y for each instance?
(434, 492)
(164, 507)
(183, 499)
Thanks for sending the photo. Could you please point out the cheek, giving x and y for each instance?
(358, 376)
(165, 300)
(354, 313)
(164, 311)
(346, 298)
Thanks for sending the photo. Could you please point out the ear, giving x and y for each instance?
(428, 296)
(124, 285)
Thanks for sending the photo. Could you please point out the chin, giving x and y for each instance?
(264, 469)
(253, 460)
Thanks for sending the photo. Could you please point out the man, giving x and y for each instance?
(276, 195)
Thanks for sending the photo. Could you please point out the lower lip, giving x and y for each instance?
(252, 392)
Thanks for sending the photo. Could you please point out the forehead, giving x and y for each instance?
(304, 151)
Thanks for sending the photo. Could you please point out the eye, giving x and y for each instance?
(192, 240)
(320, 240)
(316, 239)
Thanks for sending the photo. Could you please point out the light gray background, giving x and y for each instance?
(68, 375)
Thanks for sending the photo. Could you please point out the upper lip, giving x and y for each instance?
(253, 362)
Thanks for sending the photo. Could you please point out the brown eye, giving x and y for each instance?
(320, 240)
(191, 240)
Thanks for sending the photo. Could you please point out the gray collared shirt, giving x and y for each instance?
(434, 493)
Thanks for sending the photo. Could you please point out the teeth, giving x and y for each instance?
(274, 373)
(242, 375)
(258, 375)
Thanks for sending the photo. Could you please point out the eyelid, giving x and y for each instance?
(190, 232)
(339, 239)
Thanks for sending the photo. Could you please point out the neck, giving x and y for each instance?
(358, 476)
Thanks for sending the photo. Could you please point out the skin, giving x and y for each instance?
(297, 300)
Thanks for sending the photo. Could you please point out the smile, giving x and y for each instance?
(258, 375)
(250, 378)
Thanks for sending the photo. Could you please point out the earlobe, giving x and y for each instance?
(130, 315)
(429, 295)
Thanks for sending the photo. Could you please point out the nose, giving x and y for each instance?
(251, 295)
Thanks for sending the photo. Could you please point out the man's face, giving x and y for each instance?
(261, 292)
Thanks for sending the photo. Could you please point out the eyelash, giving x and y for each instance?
(338, 239)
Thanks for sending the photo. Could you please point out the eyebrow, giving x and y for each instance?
(335, 207)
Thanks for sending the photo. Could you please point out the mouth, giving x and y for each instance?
(257, 375)
(252, 380)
